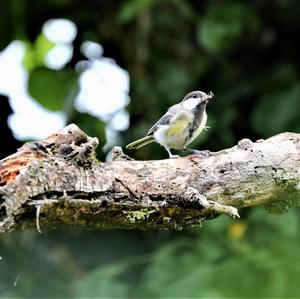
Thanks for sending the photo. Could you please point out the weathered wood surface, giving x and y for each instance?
(58, 182)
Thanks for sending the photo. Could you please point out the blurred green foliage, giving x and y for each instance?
(256, 257)
(247, 53)
(61, 82)
(36, 51)
(223, 26)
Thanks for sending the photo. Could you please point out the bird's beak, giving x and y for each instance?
(210, 95)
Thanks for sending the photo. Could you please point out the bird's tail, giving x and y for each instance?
(140, 142)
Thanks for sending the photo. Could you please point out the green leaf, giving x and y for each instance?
(50, 87)
(29, 60)
(35, 53)
(42, 47)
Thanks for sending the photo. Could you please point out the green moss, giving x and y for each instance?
(41, 164)
(54, 150)
(85, 160)
(139, 215)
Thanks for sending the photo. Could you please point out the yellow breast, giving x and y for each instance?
(178, 127)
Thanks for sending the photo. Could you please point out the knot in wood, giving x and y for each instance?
(245, 144)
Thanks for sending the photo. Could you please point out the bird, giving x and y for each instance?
(180, 125)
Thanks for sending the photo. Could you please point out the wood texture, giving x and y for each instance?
(58, 182)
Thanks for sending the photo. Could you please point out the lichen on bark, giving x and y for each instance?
(58, 182)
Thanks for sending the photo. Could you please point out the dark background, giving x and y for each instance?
(247, 53)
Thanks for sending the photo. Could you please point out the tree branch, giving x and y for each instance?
(59, 182)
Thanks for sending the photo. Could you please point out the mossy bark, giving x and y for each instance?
(58, 182)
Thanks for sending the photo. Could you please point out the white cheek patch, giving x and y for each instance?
(191, 103)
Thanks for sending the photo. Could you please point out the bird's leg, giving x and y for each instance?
(204, 153)
(171, 156)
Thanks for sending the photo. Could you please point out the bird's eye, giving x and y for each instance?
(194, 96)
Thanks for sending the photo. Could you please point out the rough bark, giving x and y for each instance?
(59, 182)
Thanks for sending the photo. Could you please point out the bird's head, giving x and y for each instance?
(195, 99)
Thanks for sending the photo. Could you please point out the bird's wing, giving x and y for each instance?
(166, 119)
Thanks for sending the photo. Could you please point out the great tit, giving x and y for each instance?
(181, 124)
